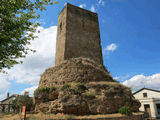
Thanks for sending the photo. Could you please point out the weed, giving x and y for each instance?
(125, 110)
(89, 95)
(43, 89)
(65, 86)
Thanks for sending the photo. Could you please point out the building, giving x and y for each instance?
(78, 35)
(150, 101)
(6, 104)
(8, 99)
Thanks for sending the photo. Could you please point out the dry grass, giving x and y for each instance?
(9, 116)
(41, 116)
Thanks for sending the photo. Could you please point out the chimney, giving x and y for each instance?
(7, 94)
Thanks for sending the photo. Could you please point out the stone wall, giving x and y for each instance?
(61, 36)
(78, 35)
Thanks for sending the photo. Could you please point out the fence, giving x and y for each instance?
(7, 108)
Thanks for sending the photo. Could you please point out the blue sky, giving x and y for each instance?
(130, 39)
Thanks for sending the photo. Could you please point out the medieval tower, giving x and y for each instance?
(79, 83)
(78, 35)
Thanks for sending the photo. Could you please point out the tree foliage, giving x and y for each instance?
(18, 22)
(23, 100)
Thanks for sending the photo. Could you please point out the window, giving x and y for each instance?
(158, 108)
(144, 94)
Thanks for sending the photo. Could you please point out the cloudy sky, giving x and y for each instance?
(130, 39)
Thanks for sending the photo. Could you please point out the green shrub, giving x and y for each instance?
(23, 100)
(43, 89)
(65, 86)
(125, 110)
(52, 88)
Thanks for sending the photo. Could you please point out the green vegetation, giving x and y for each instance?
(43, 89)
(65, 86)
(81, 85)
(70, 117)
(89, 95)
(18, 23)
(125, 110)
(23, 100)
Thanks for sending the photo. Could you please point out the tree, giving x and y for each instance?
(18, 22)
(23, 100)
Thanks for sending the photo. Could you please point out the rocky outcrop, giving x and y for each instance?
(74, 70)
(80, 86)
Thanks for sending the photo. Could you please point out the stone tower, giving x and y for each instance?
(78, 35)
(79, 83)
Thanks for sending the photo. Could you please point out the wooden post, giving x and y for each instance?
(23, 115)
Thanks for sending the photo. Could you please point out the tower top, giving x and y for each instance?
(78, 35)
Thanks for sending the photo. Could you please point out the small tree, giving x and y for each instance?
(23, 100)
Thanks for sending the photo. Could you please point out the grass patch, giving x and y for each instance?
(65, 86)
(70, 117)
(89, 95)
(33, 118)
(43, 89)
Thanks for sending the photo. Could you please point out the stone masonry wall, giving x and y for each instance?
(61, 36)
(78, 35)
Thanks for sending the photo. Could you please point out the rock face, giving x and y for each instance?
(80, 86)
(74, 70)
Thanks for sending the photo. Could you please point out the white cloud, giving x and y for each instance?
(4, 85)
(35, 63)
(3, 95)
(30, 90)
(82, 5)
(65, 3)
(122, 78)
(93, 8)
(100, 2)
(112, 47)
(139, 81)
